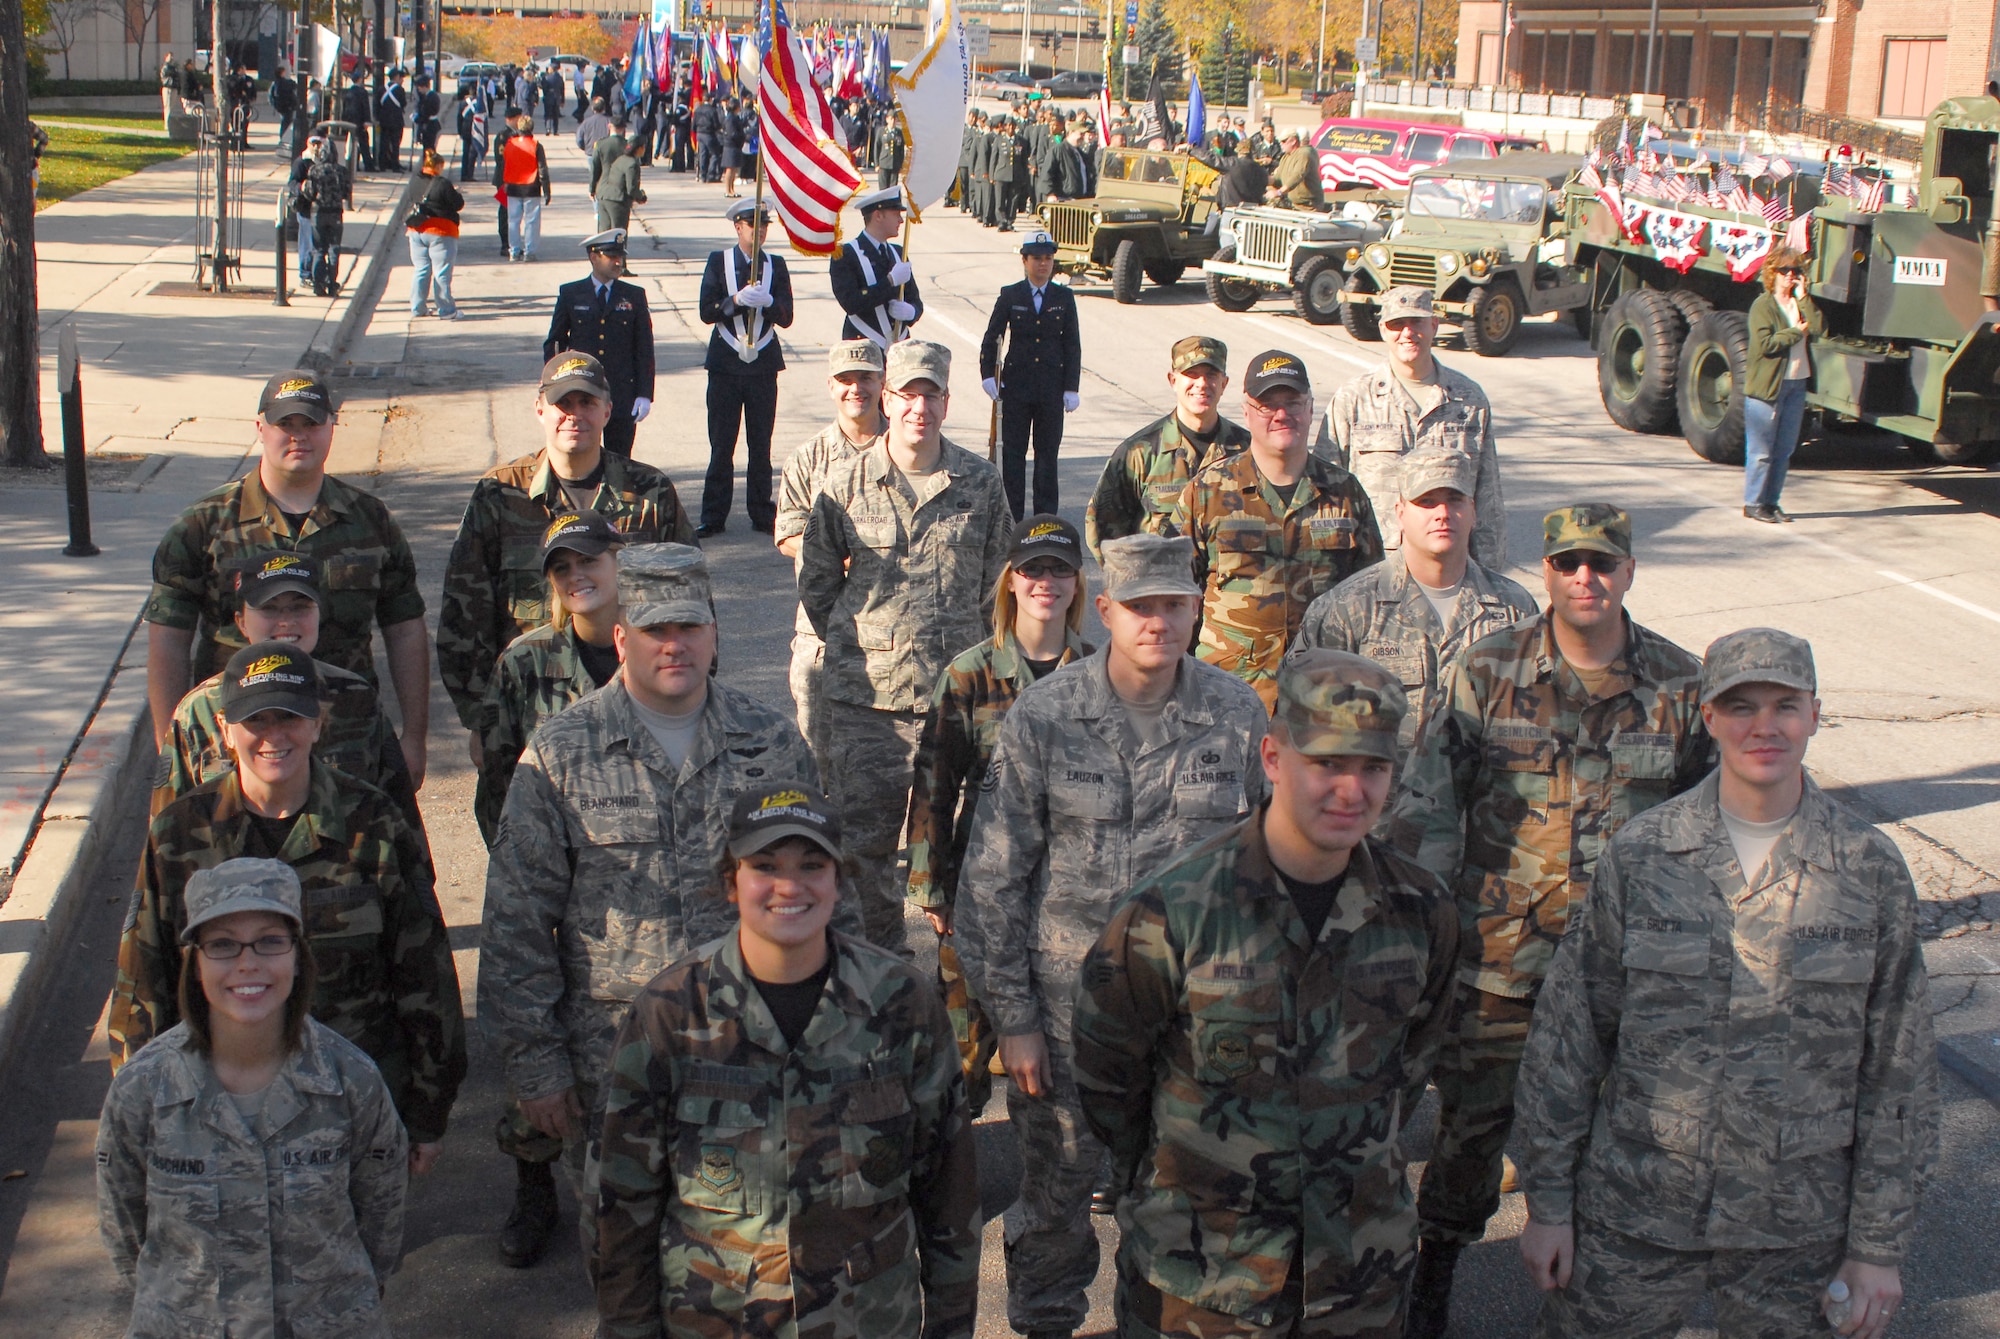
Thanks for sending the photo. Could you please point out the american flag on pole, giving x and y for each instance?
(1778, 210)
(1780, 169)
(808, 173)
(1871, 198)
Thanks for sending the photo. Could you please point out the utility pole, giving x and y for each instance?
(1027, 52)
(219, 252)
(1417, 45)
(1652, 39)
(20, 343)
(1319, 57)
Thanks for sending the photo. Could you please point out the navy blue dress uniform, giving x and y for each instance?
(612, 323)
(1038, 379)
(744, 359)
(864, 284)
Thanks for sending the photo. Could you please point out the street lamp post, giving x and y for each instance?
(1319, 58)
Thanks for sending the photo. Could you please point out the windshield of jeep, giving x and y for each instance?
(1476, 198)
(1137, 165)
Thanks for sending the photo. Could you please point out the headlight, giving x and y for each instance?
(1448, 263)
(1378, 256)
(1095, 218)
(1478, 267)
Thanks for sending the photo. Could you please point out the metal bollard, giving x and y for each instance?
(278, 298)
(70, 386)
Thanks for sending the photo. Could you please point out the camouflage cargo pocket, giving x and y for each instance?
(352, 572)
(712, 1154)
(1666, 977)
(1521, 768)
(1234, 1028)
(876, 1122)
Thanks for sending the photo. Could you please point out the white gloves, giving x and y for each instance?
(752, 295)
(1070, 401)
(991, 387)
(900, 272)
(901, 310)
(641, 407)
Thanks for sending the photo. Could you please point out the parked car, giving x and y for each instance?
(1358, 153)
(1072, 84)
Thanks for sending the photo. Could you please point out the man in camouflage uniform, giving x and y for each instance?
(1547, 737)
(1416, 401)
(386, 978)
(1144, 477)
(289, 502)
(1731, 1082)
(604, 870)
(1415, 611)
(1253, 1029)
(494, 585)
(854, 380)
(1273, 527)
(1104, 772)
(896, 573)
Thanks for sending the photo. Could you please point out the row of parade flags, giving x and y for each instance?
(852, 64)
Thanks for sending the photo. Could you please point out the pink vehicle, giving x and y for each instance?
(1357, 154)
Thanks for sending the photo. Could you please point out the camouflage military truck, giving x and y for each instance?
(1486, 236)
(1264, 249)
(1909, 346)
(1147, 222)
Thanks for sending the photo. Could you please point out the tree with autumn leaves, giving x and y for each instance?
(1287, 31)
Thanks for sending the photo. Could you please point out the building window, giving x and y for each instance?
(1912, 76)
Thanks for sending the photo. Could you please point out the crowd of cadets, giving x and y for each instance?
(1335, 813)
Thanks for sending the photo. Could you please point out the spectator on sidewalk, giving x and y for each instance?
(524, 171)
(328, 190)
(302, 205)
(285, 102)
(594, 126)
(433, 229)
(194, 88)
(170, 84)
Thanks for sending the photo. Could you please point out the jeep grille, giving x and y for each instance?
(1070, 226)
(1263, 242)
(1413, 267)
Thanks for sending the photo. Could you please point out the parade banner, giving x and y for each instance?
(1676, 237)
(1742, 246)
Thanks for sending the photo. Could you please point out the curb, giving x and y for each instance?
(111, 764)
(364, 287)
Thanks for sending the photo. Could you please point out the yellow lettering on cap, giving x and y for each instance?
(280, 562)
(1274, 363)
(266, 665)
(571, 365)
(784, 799)
(293, 385)
(1045, 528)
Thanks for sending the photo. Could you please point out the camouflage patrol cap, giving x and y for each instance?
(770, 814)
(242, 884)
(1136, 566)
(1598, 526)
(1408, 303)
(1429, 468)
(854, 355)
(1757, 655)
(1338, 704)
(1200, 351)
(917, 360)
(664, 583)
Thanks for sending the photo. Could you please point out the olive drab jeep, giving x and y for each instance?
(1268, 248)
(1148, 221)
(1488, 238)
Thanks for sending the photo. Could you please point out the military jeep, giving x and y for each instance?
(1264, 248)
(1147, 221)
(1488, 237)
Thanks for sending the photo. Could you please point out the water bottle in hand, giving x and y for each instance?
(1839, 1307)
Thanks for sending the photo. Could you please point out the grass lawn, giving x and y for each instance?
(143, 120)
(77, 160)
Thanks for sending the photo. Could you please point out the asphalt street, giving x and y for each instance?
(1890, 570)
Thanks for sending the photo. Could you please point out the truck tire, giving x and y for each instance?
(1362, 323)
(1638, 360)
(1495, 322)
(1316, 292)
(1126, 274)
(1710, 382)
(1232, 295)
(1964, 453)
(1165, 273)
(1691, 305)
(1581, 320)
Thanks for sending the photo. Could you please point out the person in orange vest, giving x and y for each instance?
(525, 179)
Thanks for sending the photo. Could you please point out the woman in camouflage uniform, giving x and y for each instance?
(1037, 627)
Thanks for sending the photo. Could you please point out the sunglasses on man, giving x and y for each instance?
(1604, 564)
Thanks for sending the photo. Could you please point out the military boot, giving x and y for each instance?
(532, 1223)
(1430, 1291)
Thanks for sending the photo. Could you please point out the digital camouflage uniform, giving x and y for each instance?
(1076, 812)
(1519, 781)
(386, 978)
(1144, 477)
(1262, 560)
(807, 469)
(754, 1189)
(221, 1229)
(972, 697)
(1731, 1076)
(1381, 612)
(495, 587)
(355, 737)
(1253, 1085)
(1373, 423)
(367, 574)
(536, 677)
(896, 592)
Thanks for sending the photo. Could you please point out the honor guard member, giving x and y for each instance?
(888, 150)
(1104, 774)
(1380, 416)
(1274, 527)
(744, 359)
(896, 573)
(872, 281)
(962, 184)
(278, 599)
(607, 318)
(1547, 737)
(854, 380)
(494, 583)
(1010, 172)
(290, 503)
(605, 867)
(1037, 381)
(1427, 600)
(1143, 478)
(1253, 1030)
(386, 981)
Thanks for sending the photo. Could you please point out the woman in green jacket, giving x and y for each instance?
(1782, 323)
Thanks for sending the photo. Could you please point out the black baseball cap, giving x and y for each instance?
(1044, 536)
(270, 675)
(586, 532)
(770, 814)
(299, 392)
(574, 371)
(259, 580)
(1273, 369)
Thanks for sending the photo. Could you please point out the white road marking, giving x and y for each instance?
(1937, 594)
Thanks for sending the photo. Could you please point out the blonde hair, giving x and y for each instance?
(1004, 606)
(559, 613)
